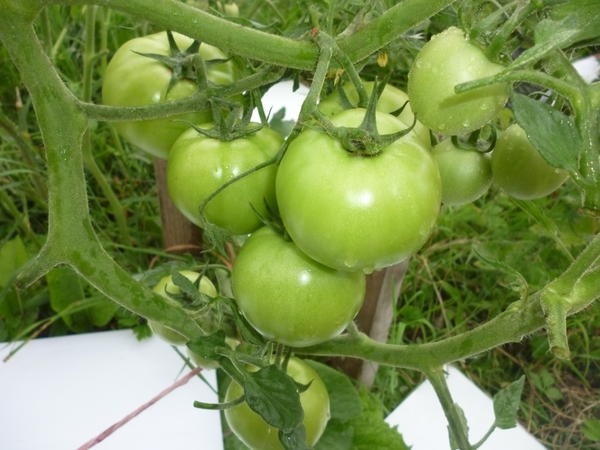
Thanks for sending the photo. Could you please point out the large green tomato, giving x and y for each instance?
(391, 99)
(165, 287)
(253, 431)
(446, 60)
(131, 79)
(198, 165)
(290, 298)
(354, 212)
(466, 175)
(518, 168)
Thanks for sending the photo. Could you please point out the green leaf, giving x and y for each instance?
(102, 311)
(337, 436)
(581, 15)
(552, 133)
(574, 21)
(12, 256)
(273, 395)
(506, 404)
(591, 429)
(294, 439)
(370, 429)
(344, 400)
(207, 346)
(277, 123)
(64, 287)
(463, 422)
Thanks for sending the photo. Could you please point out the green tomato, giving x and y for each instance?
(353, 212)
(131, 79)
(253, 431)
(290, 298)
(466, 175)
(446, 60)
(165, 287)
(199, 165)
(518, 168)
(391, 99)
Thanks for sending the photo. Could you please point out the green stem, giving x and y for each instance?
(456, 425)
(484, 438)
(556, 309)
(531, 76)
(586, 121)
(192, 103)
(251, 43)
(71, 239)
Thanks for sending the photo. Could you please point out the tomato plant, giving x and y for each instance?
(446, 60)
(466, 174)
(253, 431)
(132, 79)
(355, 212)
(391, 100)
(198, 165)
(519, 169)
(166, 288)
(290, 298)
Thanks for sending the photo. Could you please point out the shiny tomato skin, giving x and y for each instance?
(391, 99)
(198, 165)
(354, 212)
(446, 60)
(466, 175)
(519, 170)
(131, 79)
(253, 431)
(288, 297)
(166, 287)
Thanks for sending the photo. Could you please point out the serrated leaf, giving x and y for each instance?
(552, 133)
(583, 15)
(506, 404)
(12, 256)
(272, 394)
(344, 400)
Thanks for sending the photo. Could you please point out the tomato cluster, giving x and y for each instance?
(346, 209)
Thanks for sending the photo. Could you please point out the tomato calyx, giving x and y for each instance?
(363, 140)
(184, 64)
(481, 141)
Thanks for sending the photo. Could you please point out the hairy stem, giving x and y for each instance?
(456, 427)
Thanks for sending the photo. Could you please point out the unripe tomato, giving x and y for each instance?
(355, 212)
(199, 165)
(466, 175)
(253, 431)
(391, 99)
(166, 287)
(446, 60)
(131, 79)
(290, 298)
(518, 168)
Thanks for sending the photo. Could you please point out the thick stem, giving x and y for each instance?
(244, 41)
(456, 426)
(71, 239)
